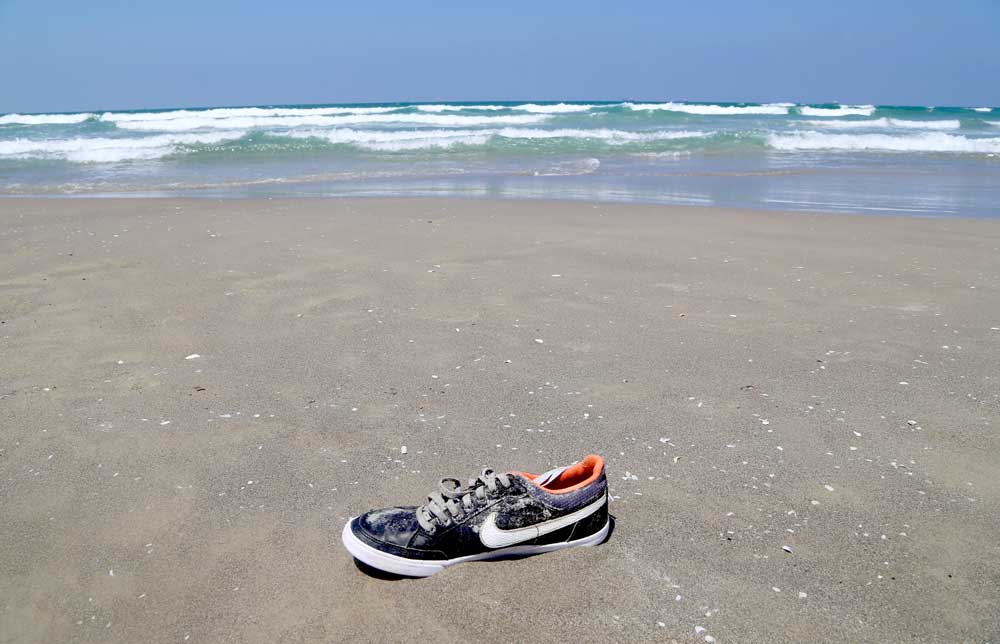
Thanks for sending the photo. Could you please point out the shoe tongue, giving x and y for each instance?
(476, 482)
(547, 477)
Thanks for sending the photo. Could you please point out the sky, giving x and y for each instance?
(59, 55)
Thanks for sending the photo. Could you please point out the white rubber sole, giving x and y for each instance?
(420, 568)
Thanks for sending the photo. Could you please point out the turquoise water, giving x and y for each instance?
(924, 161)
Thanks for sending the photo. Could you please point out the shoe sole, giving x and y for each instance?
(420, 568)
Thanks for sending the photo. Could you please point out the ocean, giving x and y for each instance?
(919, 161)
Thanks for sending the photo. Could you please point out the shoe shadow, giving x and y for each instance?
(375, 573)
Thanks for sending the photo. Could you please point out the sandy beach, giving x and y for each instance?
(799, 415)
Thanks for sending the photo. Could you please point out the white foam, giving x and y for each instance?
(396, 140)
(569, 169)
(601, 134)
(44, 119)
(673, 154)
(926, 142)
(532, 108)
(982, 109)
(220, 113)
(559, 108)
(839, 124)
(459, 108)
(843, 110)
(198, 122)
(349, 135)
(423, 139)
(108, 150)
(710, 110)
(950, 124)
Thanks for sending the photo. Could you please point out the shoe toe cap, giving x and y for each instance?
(394, 526)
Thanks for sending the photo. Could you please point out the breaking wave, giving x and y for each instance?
(843, 110)
(446, 107)
(838, 124)
(44, 119)
(710, 110)
(951, 124)
(927, 142)
(533, 108)
(394, 140)
(220, 113)
(113, 150)
(442, 139)
(198, 121)
(560, 108)
(109, 150)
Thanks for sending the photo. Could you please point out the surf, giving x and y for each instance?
(926, 142)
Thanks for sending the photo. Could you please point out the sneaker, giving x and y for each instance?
(497, 515)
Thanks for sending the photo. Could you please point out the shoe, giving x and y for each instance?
(497, 515)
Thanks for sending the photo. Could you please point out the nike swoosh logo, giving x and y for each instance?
(494, 537)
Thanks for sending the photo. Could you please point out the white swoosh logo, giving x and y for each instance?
(494, 537)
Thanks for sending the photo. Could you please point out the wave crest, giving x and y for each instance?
(198, 122)
(44, 119)
(837, 124)
(843, 110)
(709, 110)
(531, 108)
(448, 107)
(417, 139)
(220, 113)
(927, 142)
(558, 108)
(108, 150)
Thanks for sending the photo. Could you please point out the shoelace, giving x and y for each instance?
(452, 501)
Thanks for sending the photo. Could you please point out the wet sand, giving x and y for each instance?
(799, 415)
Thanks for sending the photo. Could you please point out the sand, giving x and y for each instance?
(799, 414)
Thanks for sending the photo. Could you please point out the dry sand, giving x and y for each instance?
(195, 395)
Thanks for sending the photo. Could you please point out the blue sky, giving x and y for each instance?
(62, 56)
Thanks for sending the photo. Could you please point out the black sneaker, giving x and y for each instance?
(497, 515)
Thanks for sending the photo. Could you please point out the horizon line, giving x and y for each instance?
(487, 102)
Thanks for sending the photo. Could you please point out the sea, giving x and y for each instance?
(875, 159)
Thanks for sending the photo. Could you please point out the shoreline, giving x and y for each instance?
(911, 160)
(798, 416)
(306, 199)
